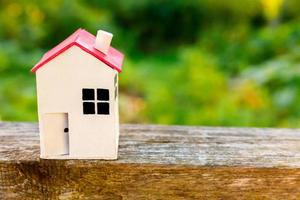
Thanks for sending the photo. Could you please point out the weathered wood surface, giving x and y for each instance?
(158, 162)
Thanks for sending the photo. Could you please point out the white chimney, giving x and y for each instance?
(103, 40)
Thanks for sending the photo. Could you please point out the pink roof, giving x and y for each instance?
(85, 41)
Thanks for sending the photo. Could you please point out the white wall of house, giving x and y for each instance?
(59, 90)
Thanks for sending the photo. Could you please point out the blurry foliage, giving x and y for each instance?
(196, 62)
(271, 8)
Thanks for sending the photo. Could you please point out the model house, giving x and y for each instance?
(77, 90)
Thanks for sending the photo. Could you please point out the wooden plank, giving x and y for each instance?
(158, 162)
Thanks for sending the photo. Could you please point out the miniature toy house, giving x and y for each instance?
(77, 90)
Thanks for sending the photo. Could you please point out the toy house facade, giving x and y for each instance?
(77, 91)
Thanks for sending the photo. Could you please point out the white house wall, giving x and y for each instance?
(59, 89)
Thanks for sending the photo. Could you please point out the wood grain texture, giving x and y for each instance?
(158, 162)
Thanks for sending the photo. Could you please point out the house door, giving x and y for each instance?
(56, 134)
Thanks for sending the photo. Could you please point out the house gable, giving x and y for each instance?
(85, 41)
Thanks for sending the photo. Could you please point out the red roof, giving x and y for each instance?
(85, 41)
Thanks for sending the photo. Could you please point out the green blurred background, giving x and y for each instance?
(192, 62)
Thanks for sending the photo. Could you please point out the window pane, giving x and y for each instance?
(88, 108)
(103, 94)
(88, 94)
(103, 108)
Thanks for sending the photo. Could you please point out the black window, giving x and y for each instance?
(91, 104)
(103, 108)
(88, 94)
(88, 108)
(102, 95)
